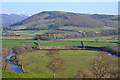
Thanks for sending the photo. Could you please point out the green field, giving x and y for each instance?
(7, 74)
(18, 38)
(28, 34)
(13, 43)
(35, 63)
(84, 28)
(104, 38)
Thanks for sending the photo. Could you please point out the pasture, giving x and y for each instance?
(13, 43)
(35, 63)
(74, 28)
(103, 38)
(28, 34)
(7, 74)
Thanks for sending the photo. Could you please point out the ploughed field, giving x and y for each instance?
(35, 63)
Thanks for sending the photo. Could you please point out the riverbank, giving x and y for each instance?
(14, 67)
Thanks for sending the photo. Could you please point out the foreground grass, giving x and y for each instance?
(7, 74)
(35, 62)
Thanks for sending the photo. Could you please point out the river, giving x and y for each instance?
(15, 68)
(18, 69)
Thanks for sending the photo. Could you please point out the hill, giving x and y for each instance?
(59, 20)
(11, 18)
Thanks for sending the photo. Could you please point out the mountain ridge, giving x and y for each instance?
(8, 19)
(57, 19)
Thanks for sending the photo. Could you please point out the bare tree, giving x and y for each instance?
(101, 65)
(55, 63)
(52, 53)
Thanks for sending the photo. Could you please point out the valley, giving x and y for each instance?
(84, 34)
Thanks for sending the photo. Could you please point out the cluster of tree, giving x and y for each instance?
(17, 49)
(10, 34)
(5, 66)
(79, 21)
(109, 32)
(113, 48)
(108, 20)
(56, 36)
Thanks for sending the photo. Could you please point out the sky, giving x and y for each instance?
(60, 0)
(30, 8)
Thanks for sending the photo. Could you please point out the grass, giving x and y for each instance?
(104, 38)
(28, 34)
(35, 62)
(7, 74)
(19, 38)
(85, 29)
(62, 43)
(13, 43)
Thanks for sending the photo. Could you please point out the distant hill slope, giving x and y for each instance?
(58, 19)
(12, 18)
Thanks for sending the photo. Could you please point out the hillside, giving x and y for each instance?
(12, 18)
(59, 20)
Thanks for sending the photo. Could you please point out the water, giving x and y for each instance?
(18, 69)
(112, 54)
(15, 68)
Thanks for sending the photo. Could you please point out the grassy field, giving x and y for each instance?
(35, 63)
(18, 38)
(13, 43)
(105, 38)
(85, 29)
(7, 74)
(28, 34)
